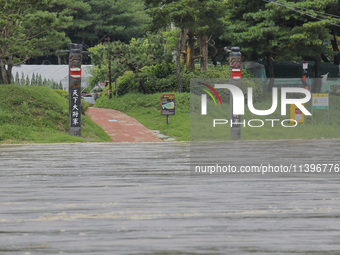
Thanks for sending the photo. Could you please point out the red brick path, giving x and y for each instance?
(121, 127)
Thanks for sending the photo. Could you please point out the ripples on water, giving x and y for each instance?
(141, 199)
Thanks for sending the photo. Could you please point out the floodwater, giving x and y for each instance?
(141, 199)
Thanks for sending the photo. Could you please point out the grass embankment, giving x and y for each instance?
(146, 109)
(38, 114)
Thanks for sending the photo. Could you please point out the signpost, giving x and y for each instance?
(305, 78)
(296, 114)
(304, 66)
(167, 105)
(75, 59)
(235, 79)
(320, 101)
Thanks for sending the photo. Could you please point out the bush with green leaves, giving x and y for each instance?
(162, 78)
(151, 79)
(84, 105)
(136, 55)
(158, 78)
(127, 83)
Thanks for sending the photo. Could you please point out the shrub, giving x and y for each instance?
(162, 77)
(62, 92)
(84, 105)
(127, 83)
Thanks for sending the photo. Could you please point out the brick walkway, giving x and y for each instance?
(121, 127)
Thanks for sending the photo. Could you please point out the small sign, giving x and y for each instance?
(320, 101)
(75, 107)
(168, 104)
(296, 114)
(236, 74)
(305, 66)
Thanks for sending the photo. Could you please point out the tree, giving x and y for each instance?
(81, 12)
(27, 82)
(136, 55)
(334, 10)
(196, 19)
(17, 79)
(22, 80)
(309, 30)
(95, 20)
(280, 29)
(39, 80)
(28, 28)
(33, 80)
(250, 25)
(200, 19)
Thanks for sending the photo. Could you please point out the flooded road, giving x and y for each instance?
(141, 199)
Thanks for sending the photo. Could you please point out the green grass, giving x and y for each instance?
(38, 114)
(315, 127)
(146, 109)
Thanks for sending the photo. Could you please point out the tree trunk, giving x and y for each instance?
(316, 86)
(183, 38)
(213, 57)
(325, 58)
(336, 49)
(164, 41)
(337, 59)
(204, 52)
(270, 72)
(178, 61)
(9, 69)
(5, 74)
(1, 79)
(190, 52)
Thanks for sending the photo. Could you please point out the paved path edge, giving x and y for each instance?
(120, 126)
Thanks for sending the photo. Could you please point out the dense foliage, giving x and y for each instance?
(96, 20)
(284, 30)
(177, 36)
(32, 28)
(27, 29)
